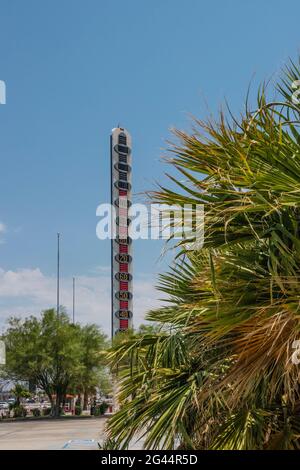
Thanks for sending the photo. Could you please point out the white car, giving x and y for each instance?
(4, 405)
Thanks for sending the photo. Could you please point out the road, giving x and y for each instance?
(61, 434)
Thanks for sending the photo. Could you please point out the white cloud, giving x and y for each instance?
(29, 291)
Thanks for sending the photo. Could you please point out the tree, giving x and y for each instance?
(48, 352)
(19, 391)
(92, 374)
(219, 374)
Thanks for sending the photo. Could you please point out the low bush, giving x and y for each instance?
(103, 407)
(78, 410)
(36, 412)
(99, 409)
(20, 412)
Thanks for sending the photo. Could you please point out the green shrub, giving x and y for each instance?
(46, 411)
(36, 412)
(78, 410)
(20, 412)
(99, 409)
(103, 407)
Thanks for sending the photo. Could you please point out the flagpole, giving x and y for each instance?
(74, 300)
(58, 273)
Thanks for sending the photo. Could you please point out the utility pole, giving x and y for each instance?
(74, 300)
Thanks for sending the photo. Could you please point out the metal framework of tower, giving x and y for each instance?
(121, 243)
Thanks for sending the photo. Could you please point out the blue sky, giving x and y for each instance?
(75, 69)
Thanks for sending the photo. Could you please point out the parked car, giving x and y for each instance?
(4, 405)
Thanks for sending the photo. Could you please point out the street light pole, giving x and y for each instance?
(74, 300)
(2, 353)
(58, 273)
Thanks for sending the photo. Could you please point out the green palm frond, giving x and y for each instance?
(218, 374)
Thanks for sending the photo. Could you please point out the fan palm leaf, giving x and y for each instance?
(219, 373)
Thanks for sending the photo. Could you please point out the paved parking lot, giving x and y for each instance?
(61, 434)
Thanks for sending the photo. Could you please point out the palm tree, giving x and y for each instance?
(20, 392)
(219, 373)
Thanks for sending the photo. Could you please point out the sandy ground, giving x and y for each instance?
(52, 434)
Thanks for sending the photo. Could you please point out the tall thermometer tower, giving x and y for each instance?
(121, 243)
